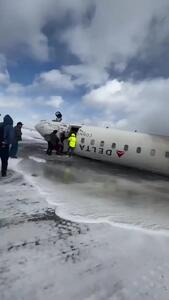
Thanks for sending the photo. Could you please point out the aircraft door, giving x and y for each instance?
(74, 129)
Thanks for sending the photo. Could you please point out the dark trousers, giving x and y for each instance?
(61, 147)
(4, 155)
(14, 150)
(71, 151)
(50, 148)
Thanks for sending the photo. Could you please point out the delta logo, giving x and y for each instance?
(120, 153)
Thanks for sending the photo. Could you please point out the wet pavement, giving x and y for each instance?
(99, 191)
(46, 256)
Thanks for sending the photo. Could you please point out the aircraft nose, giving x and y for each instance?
(39, 127)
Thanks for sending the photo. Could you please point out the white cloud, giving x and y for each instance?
(18, 100)
(54, 79)
(107, 39)
(24, 31)
(69, 78)
(4, 75)
(54, 101)
(10, 101)
(35, 117)
(4, 78)
(15, 88)
(86, 74)
(108, 96)
(143, 106)
(115, 33)
(103, 43)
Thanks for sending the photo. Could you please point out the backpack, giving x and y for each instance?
(1, 134)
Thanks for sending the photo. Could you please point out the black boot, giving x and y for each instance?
(4, 174)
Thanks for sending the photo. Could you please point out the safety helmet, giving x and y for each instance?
(72, 134)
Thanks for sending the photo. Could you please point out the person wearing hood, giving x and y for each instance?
(17, 136)
(6, 138)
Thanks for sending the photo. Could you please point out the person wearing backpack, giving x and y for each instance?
(6, 138)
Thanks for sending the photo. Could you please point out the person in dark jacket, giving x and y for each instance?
(6, 137)
(17, 136)
(61, 144)
(53, 142)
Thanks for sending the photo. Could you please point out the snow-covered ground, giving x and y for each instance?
(111, 241)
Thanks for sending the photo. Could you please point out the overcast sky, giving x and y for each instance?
(98, 62)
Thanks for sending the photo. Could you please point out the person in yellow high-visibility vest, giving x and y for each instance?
(72, 143)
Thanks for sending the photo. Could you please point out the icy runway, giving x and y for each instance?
(89, 191)
(77, 229)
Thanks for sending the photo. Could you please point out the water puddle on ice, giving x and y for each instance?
(88, 191)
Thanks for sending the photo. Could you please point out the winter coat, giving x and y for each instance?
(8, 130)
(72, 141)
(17, 135)
(53, 139)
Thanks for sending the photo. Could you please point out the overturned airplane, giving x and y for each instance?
(132, 149)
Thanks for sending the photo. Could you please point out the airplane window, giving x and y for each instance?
(92, 142)
(138, 150)
(114, 145)
(167, 154)
(102, 144)
(126, 147)
(152, 152)
(82, 140)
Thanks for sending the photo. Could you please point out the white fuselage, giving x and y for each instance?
(133, 149)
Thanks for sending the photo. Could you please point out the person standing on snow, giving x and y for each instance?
(61, 143)
(6, 138)
(17, 136)
(53, 142)
(72, 143)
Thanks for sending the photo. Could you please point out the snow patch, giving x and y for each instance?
(37, 159)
